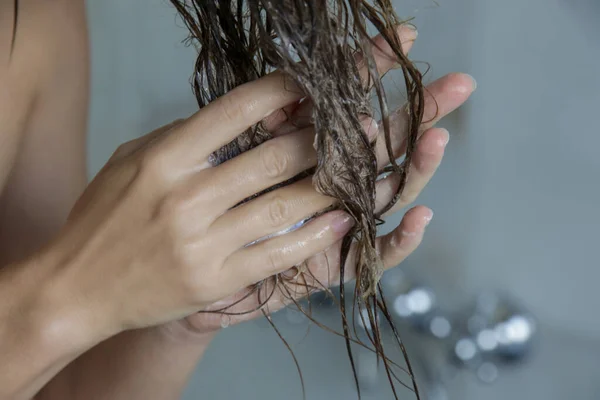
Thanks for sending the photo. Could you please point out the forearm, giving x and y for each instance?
(40, 329)
(153, 363)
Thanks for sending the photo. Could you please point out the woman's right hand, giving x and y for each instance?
(153, 238)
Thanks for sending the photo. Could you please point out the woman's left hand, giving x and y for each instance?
(442, 97)
(449, 93)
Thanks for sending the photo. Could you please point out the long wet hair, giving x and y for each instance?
(314, 43)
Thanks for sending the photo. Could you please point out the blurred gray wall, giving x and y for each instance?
(517, 200)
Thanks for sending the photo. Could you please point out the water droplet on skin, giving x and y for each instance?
(225, 321)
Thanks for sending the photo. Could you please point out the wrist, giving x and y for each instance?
(53, 309)
(39, 333)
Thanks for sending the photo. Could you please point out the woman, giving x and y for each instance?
(104, 305)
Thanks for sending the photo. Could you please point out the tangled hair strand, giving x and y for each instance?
(314, 43)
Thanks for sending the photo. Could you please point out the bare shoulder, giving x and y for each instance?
(42, 31)
(43, 65)
(43, 116)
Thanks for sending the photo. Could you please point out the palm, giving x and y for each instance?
(324, 268)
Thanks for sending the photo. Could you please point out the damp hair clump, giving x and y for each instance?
(314, 43)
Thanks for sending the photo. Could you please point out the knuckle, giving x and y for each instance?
(275, 160)
(275, 260)
(170, 211)
(278, 212)
(233, 109)
(152, 163)
(122, 149)
(200, 284)
(154, 167)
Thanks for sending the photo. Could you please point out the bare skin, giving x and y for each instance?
(80, 317)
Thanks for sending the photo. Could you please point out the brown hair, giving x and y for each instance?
(314, 42)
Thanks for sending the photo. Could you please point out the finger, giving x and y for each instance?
(393, 248)
(441, 98)
(245, 305)
(320, 272)
(384, 60)
(426, 160)
(128, 148)
(264, 166)
(228, 116)
(384, 57)
(260, 168)
(252, 264)
(397, 245)
(279, 117)
(269, 214)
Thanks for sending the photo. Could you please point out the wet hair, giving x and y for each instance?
(314, 42)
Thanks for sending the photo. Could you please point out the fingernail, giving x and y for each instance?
(428, 217)
(474, 82)
(443, 141)
(413, 29)
(342, 223)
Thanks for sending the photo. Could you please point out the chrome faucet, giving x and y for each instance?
(493, 332)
